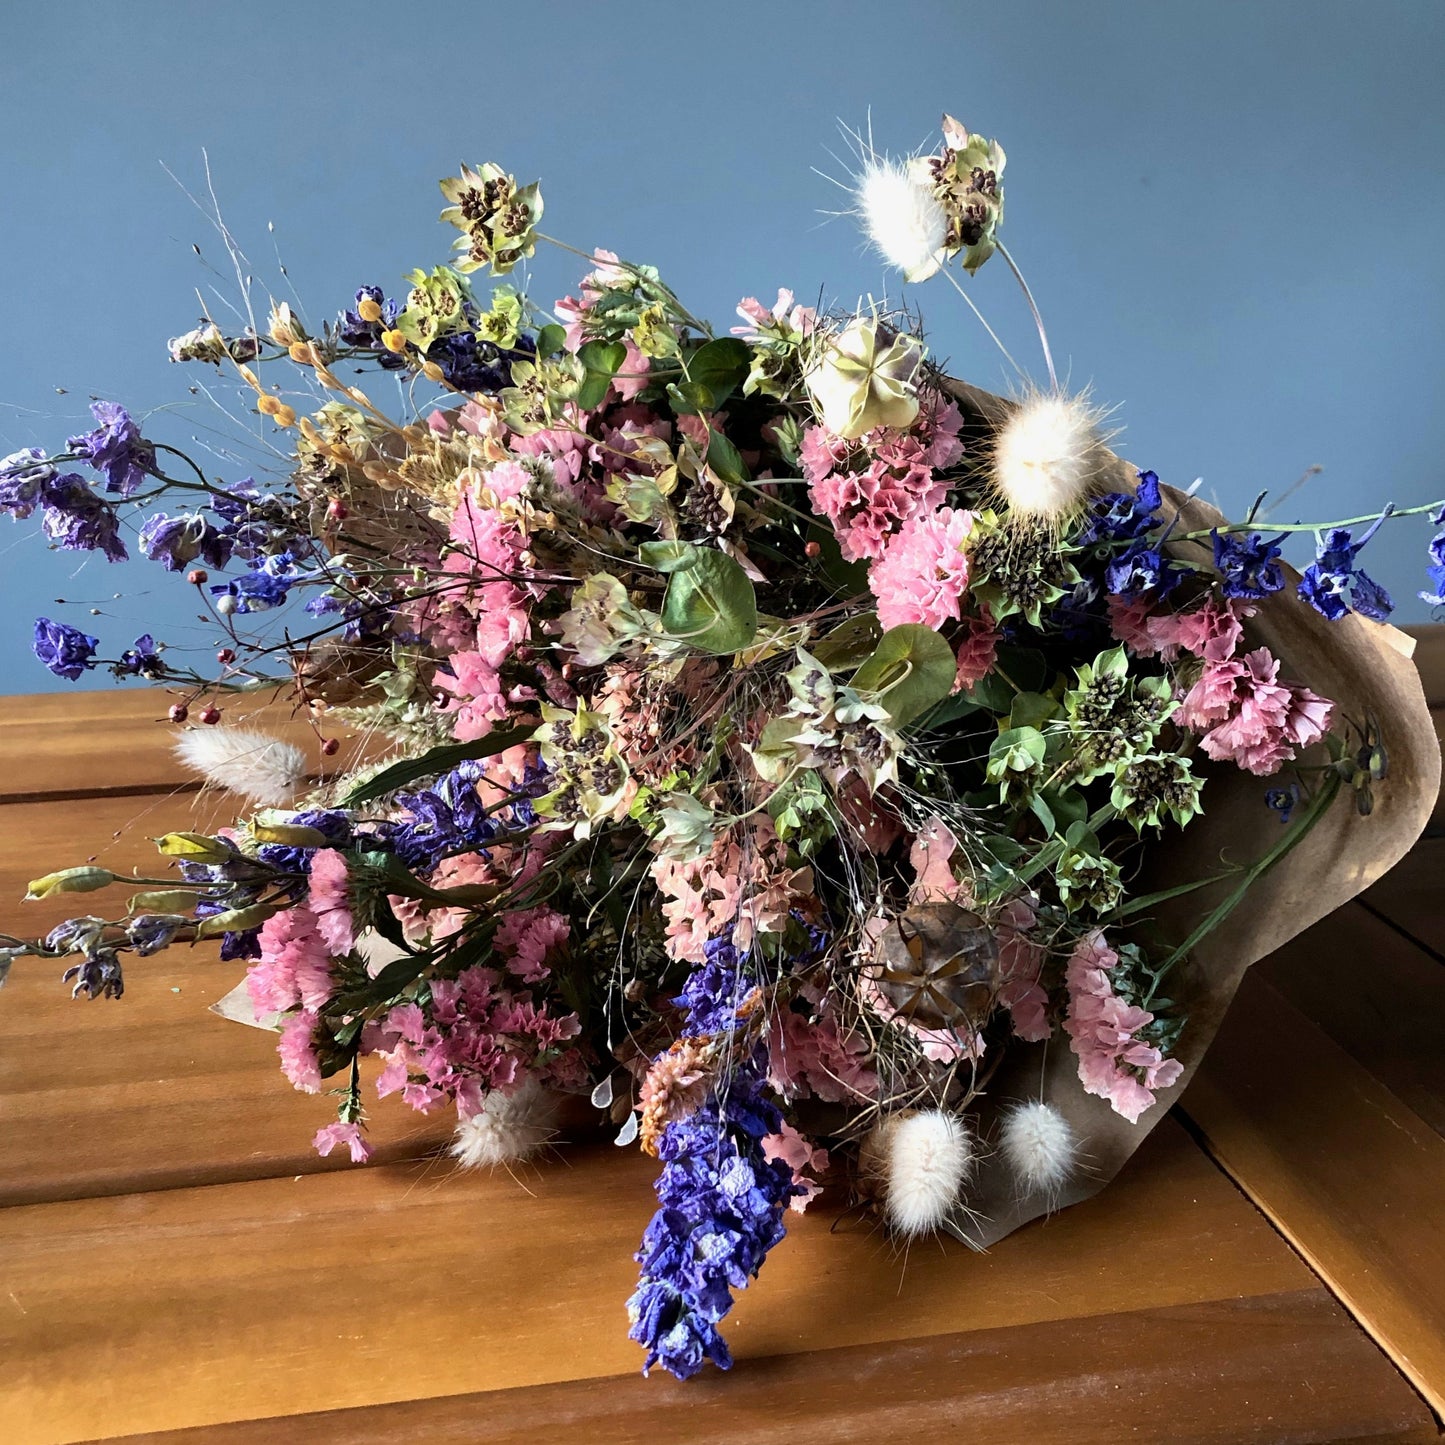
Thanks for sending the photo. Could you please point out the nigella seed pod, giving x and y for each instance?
(937, 965)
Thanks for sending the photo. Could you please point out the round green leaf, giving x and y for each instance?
(710, 603)
(911, 669)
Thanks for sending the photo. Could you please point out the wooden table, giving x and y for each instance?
(177, 1265)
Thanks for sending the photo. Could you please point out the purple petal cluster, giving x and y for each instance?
(1122, 516)
(1249, 565)
(1436, 595)
(176, 542)
(721, 1199)
(1333, 577)
(116, 448)
(78, 519)
(23, 476)
(140, 659)
(65, 650)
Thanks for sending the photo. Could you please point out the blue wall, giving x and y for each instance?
(1231, 213)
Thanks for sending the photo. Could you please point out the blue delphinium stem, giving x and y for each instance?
(721, 1200)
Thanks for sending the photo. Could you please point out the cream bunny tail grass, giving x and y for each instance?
(1047, 458)
(916, 1164)
(1039, 1147)
(255, 765)
(509, 1129)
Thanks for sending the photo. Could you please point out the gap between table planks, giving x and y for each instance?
(239, 1109)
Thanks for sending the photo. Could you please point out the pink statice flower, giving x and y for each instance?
(1246, 716)
(808, 1163)
(328, 901)
(818, 1057)
(298, 1052)
(1114, 1063)
(923, 574)
(332, 1135)
(295, 965)
(930, 855)
(1212, 630)
(1021, 962)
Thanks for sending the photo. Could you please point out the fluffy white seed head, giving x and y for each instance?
(1047, 457)
(1039, 1147)
(509, 1129)
(259, 767)
(900, 215)
(917, 1164)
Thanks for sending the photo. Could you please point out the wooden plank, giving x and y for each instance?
(276, 1297)
(1281, 1367)
(1378, 996)
(1412, 895)
(62, 745)
(1430, 658)
(150, 1091)
(1349, 1174)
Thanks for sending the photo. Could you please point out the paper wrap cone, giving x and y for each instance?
(1364, 667)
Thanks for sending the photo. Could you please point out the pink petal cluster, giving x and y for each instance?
(295, 966)
(743, 884)
(1212, 630)
(923, 572)
(977, 651)
(818, 1057)
(1247, 716)
(474, 1035)
(298, 1054)
(332, 1135)
(804, 1158)
(1021, 962)
(327, 900)
(868, 489)
(784, 318)
(1113, 1063)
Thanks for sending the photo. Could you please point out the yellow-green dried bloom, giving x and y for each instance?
(654, 334)
(864, 377)
(966, 183)
(497, 218)
(1155, 787)
(433, 306)
(502, 323)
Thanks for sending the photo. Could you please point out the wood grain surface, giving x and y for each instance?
(175, 1259)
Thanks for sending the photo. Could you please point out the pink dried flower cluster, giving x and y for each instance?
(869, 488)
(474, 1035)
(1249, 717)
(1212, 630)
(1114, 1064)
(923, 572)
(818, 1057)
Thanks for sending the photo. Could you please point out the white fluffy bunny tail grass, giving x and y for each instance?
(1039, 1147)
(916, 1163)
(255, 765)
(900, 215)
(1047, 457)
(511, 1128)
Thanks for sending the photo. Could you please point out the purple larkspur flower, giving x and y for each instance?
(1249, 565)
(140, 659)
(721, 1200)
(148, 933)
(23, 476)
(65, 650)
(116, 448)
(78, 519)
(1122, 516)
(177, 541)
(1333, 577)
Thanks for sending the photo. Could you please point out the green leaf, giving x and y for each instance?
(1043, 813)
(710, 603)
(911, 669)
(433, 763)
(850, 644)
(720, 366)
(666, 556)
(725, 459)
(551, 339)
(601, 358)
(1032, 710)
(691, 398)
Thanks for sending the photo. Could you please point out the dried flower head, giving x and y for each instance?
(1048, 457)
(899, 213)
(916, 1164)
(509, 1128)
(1039, 1147)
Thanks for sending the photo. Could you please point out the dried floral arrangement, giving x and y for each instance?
(791, 748)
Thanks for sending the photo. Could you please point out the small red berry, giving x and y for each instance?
(336, 510)
(196, 577)
(210, 716)
(813, 549)
(179, 712)
(329, 747)
(226, 656)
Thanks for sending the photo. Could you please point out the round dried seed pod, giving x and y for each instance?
(937, 964)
